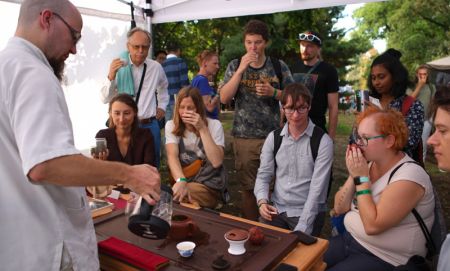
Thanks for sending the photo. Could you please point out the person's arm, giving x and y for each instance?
(214, 152)
(263, 178)
(396, 201)
(163, 94)
(422, 80)
(317, 194)
(344, 196)
(228, 91)
(78, 170)
(109, 88)
(333, 100)
(389, 211)
(180, 188)
(414, 121)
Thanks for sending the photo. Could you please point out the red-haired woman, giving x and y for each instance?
(381, 232)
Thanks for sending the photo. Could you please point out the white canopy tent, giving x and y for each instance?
(104, 37)
(441, 64)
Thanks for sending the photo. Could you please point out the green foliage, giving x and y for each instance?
(419, 29)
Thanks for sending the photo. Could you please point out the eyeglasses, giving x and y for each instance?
(309, 37)
(76, 35)
(300, 110)
(363, 141)
(137, 47)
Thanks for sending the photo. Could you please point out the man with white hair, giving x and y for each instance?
(144, 79)
(45, 217)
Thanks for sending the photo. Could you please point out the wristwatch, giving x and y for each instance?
(360, 179)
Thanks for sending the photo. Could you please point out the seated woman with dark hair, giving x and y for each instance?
(126, 142)
(192, 137)
(381, 232)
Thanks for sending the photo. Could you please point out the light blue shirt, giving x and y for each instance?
(444, 257)
(301, 184)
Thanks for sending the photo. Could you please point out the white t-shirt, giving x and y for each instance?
(40, 223)
(399, 243)
(191, 140)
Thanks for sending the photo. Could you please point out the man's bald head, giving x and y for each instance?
(30, 9)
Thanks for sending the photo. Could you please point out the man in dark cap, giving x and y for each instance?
(321, 78)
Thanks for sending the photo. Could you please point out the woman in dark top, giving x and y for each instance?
(388, 81)
(125, 140)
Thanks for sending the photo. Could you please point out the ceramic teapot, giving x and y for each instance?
(182, 227)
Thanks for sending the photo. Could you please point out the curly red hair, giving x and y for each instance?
(388, 122)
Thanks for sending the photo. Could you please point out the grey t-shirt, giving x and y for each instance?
(425, 96)
(255, 116)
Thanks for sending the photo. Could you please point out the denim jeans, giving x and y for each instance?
(154, 129)
(346, 254)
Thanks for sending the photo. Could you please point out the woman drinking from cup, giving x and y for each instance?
(382, 232)
(192, 137)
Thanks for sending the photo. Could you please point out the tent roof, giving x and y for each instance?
(184, 10)
(440, 64)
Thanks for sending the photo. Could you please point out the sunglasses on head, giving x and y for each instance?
(309, 37)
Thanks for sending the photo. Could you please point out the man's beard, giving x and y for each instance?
(58, 67)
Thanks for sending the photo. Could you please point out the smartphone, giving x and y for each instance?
(304, 238)
(285, 267)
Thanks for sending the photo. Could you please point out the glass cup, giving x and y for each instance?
(100, 144)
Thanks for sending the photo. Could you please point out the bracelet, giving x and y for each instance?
(363, 192)
(261, 204)
(182, 179)
(275, 91)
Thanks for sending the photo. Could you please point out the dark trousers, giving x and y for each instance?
(289, 223)
(346, 254)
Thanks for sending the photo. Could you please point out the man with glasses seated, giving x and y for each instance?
(301, 177)
(144, 79)
(320, 78)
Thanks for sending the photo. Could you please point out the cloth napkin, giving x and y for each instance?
(131, 254)
(124, 77)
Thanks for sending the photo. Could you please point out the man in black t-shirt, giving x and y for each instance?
(321, 78)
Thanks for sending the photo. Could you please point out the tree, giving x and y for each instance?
(419, 29)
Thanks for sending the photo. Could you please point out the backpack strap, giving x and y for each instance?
(418, 150)
(314, 142)
(429, 240)
(277, 139)
(277, 67)
(406, 105)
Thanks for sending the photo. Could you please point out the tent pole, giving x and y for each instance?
(148, 19)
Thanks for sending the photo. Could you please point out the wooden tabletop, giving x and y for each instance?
(305, 258)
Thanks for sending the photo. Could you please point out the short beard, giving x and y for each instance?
(58, 68)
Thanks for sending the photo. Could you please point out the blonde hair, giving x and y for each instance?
(204, 56)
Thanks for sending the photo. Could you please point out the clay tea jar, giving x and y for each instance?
(182, 227)
(236, 238)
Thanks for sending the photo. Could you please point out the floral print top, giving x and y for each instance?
(414, 120)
